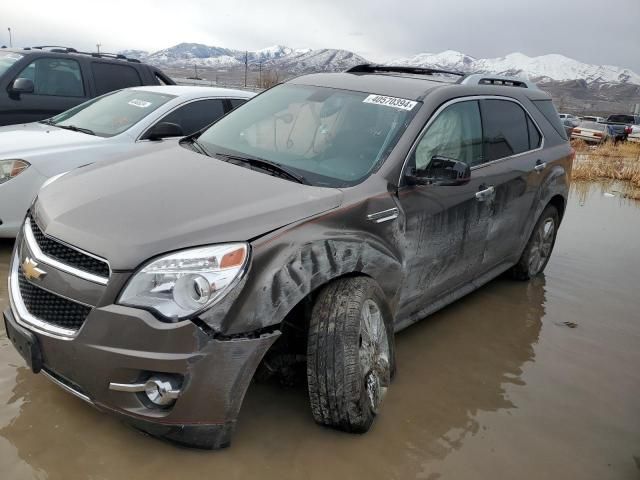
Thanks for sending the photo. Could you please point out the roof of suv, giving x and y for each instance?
(414, 86)
(48, 51)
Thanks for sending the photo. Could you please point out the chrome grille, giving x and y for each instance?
(51, 308)
(68, 255)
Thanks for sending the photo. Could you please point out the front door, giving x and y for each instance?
(58, 86)
(445, 227)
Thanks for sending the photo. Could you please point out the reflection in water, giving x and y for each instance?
(621, 190)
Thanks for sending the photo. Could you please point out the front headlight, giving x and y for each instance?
(185, 283)
(11, 168)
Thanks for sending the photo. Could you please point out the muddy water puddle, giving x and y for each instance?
(518, 380)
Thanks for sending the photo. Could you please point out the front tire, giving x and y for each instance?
(350, 354)
(536, 254)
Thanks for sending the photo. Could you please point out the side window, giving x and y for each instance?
(456, 133)
(54, 76)
(236, 102)
(534, 134)
(505, 129)
(196, 115)
(110, 76)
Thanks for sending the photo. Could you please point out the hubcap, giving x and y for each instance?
(541, 247)
(374, 354)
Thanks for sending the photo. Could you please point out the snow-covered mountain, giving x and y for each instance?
(542, 68)
(323, 60)
(276, 57)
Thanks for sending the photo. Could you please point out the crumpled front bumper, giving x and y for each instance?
(119, 344)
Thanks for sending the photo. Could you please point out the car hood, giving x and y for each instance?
(26, 140)
(128, 211)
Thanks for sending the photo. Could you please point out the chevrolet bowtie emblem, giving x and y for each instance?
(31, 271)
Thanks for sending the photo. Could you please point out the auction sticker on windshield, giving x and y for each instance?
(139, 103)
(401, 103)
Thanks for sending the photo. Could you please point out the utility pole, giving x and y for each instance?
(10, 38)
(246, 66)
(260, 77)
(98, 45)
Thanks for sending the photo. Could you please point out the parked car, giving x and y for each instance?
(311, 223)
(624, 119)
(621, 125)
(592, 132)
(127, 122)
(40, 82)
(590, 118)
(634, 135)
(569, 119)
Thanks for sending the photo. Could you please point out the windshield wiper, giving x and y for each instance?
(274, 168)
(73, 128)
(48, 121)
(196, 145)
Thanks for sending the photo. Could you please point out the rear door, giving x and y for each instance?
(445, 227)
(110, 76)
(514, 168)
(58, 86)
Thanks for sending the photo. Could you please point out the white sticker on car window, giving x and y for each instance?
(401, 103)
(139, 103)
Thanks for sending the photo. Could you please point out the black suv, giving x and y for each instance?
(39, 82)
(310, 224)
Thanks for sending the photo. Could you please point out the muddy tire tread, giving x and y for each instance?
(335, 388)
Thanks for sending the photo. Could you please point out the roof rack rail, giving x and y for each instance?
(483, 79)
(372, 68)
(56, 48)
(60, 49)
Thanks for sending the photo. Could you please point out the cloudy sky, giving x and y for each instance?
(592, 31)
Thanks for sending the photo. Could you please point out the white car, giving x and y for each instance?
(128, 122)
(634, 136)
(592, 118)
(569, 119)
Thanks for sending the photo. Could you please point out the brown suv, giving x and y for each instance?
(310, 225)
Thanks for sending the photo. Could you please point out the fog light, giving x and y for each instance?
(161, 390)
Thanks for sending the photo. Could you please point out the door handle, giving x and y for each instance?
(540, 166)
(483, 195)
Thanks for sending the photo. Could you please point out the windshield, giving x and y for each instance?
(113, 113)
(329, 137)
(7, 59)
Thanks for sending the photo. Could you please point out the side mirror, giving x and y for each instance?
(22, 85)
(441, 171)
(164, 130)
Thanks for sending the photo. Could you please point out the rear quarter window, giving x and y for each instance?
(549, 112)
(110, 76)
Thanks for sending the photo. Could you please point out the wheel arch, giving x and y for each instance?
(559, 202)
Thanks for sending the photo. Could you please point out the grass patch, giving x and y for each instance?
(620, 162)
